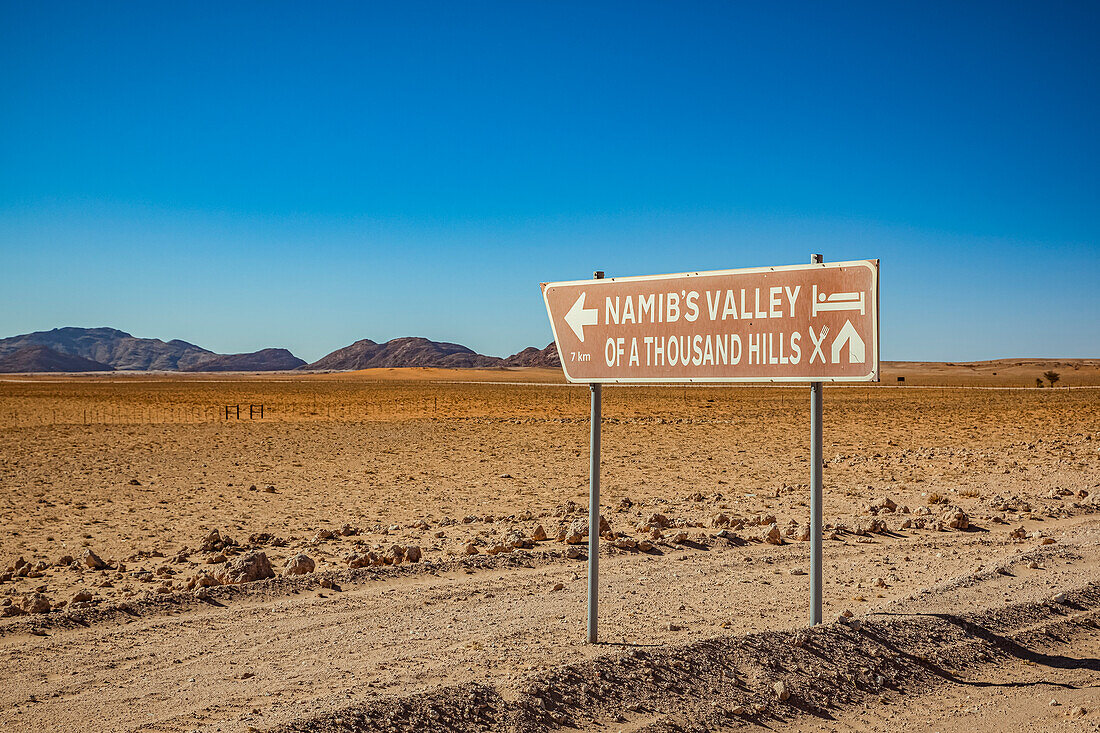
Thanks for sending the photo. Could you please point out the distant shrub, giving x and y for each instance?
(1052, 377)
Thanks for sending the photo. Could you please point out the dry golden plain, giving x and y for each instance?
(140, 468)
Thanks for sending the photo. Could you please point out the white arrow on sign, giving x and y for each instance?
(578, 317)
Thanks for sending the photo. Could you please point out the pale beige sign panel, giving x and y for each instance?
(789, 323)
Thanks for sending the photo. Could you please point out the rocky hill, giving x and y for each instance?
(264, 360)
(110, 346)
(532, 357)
(404, 352)
(45, 359)
(98, 349)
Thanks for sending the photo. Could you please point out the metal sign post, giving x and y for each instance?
(815, 495)
(811, 323)
(596, 419)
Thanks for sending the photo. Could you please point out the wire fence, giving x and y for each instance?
(542, 402)
(190, 414)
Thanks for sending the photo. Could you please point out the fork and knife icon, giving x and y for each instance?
(819, 341)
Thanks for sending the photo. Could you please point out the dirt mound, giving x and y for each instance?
(762, 679)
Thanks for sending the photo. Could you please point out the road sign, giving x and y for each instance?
(790, 323)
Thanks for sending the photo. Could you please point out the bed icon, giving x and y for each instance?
(837, 302)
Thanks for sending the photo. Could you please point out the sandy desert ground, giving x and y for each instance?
(962, 552)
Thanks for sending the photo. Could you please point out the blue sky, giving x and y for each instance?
(304, 175)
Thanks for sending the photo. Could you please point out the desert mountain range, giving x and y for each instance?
(107, 349)
(420, 352)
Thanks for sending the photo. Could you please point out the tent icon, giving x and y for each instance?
(857, 350)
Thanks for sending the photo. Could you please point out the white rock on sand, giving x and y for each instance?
(36, 603)
(955, 518)
(247, 568)
(92, 560)
(576, 533)
(771, 535)
(361, 560)
(299, 564)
